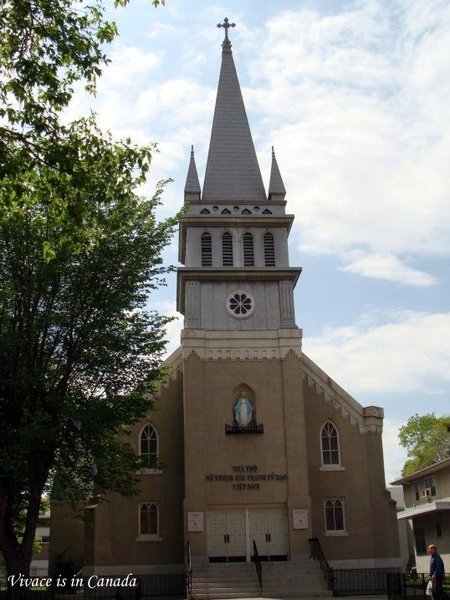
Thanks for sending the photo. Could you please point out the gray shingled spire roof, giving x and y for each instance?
(192, 188)
(276, 185)
(232, 170)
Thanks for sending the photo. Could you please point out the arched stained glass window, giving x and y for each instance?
(148, 518)
(329, 438)
(149, 446)
(334, 514)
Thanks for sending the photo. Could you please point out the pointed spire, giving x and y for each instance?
(192, 188)
(232, 170)
(277, 191)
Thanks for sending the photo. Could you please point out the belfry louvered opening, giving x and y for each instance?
(269, 250)
(206, 250)
(227, 249)
(249, 254)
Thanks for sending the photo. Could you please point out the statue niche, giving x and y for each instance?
(244, 416)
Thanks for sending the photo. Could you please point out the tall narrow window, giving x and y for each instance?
(420, 540)
(206, 250)
(227, 249)
(249, 254)
(149, 447)
(329, 438)
(334, 515)
(148, 519)
(269, 250)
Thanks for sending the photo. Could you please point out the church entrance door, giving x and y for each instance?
(230, 534)
(227, 540)
(268, 528)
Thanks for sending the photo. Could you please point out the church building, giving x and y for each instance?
(252, 446)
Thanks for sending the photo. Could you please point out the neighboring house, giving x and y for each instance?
(39, 561)
(427, 500)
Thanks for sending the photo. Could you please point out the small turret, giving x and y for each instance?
(192, 188)
(277, 191)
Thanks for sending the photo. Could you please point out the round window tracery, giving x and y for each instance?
(240, 304)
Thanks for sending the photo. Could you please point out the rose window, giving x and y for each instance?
(240, 304)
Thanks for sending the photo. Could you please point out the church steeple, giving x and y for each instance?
(277, 191)
(232, 170)
(192, 189)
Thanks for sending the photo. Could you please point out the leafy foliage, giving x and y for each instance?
(80, 252)
(425, 438)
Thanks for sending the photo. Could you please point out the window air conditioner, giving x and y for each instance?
(426, 493)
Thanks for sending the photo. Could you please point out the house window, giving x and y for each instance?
(206, 250)
(430, 484)
(269, 250)
(249, 254)
(227, 249)
(329, 438)
(438, 530)
(417, 491)
(334, 515)
(149, 447)
(148, 519)
(420, 539)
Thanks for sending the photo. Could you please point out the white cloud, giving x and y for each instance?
(173, 329)
(386, 266)
(357, 105)
(394, 454)
(390, 353)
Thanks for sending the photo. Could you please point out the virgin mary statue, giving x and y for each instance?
(243, 411)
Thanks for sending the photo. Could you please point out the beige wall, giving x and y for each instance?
(107, 543)
(292, 414)
(116, 523)
(370, 513)
(210, 390)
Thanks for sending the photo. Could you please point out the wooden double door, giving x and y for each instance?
(231, 532)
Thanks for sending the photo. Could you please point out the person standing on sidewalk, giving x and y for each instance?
(437, 573)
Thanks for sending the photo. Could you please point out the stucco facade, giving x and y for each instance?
(254, 442)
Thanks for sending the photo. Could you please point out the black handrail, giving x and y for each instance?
(317, 554)
(188, 569)
(258, 565)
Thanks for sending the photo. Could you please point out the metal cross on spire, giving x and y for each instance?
(226, 25)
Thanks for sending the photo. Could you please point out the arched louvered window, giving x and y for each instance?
(329, 438)
(249, 253)
(269, 250)
(148, 519)
(206, 250)
(149, 447)
(227, 249)
(334, 514)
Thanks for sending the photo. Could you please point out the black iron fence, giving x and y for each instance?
(155, 586)
(402, 586)
(360, 582)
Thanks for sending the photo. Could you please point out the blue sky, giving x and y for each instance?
(354, 97)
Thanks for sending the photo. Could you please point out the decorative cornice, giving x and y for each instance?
(241, 345)
(369, 419)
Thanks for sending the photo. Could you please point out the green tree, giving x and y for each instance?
(425, 438)
(80, 252)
